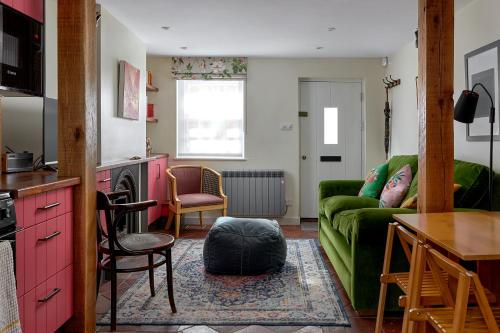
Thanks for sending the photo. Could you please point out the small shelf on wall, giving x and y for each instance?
(151, 120)
(151, 88)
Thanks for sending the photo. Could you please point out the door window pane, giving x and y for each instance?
(331, 126)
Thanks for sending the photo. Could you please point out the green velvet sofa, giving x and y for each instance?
(353, 230)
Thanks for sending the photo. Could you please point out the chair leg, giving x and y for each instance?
(114, 291)
(170, 283)
(170, 220)
(383, 282)
(151, 275)
(177, 225)
(201, 218)
(98, 281)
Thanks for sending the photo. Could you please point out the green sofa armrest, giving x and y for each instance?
(329, 188)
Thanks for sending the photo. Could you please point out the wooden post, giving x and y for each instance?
(77, 139)
(435, 105)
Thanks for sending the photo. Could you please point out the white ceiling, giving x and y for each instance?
(270, 28)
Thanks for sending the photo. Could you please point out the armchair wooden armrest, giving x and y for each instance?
(174, 200)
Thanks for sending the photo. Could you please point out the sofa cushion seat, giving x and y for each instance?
(336, 204)
(372, 221)
(199, 199)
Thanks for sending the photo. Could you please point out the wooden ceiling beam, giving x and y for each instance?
(435, 105)
(77, 137)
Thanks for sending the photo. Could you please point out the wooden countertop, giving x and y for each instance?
(468, 235)
(24, 184)
(124, 162)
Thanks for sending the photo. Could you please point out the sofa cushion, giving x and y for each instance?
(396, 188)
(374, 182)
(333, 205)
(371, 222)
(397, 162)
(199, 199)
(474, 180)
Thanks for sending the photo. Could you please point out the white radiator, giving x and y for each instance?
(255, 193)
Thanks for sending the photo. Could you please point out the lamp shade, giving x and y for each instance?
(465, 109)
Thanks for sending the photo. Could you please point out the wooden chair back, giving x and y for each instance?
(438, 263)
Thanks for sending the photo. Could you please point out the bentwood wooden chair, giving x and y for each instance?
(456, 315)
(194, 189)
(113, 247)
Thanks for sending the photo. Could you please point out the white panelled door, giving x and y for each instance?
(331, 131)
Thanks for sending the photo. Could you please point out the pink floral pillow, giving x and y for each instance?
(396, 188)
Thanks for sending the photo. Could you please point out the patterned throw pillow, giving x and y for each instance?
(396, 187)
(374, 181)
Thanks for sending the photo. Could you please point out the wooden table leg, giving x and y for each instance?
(417, 268)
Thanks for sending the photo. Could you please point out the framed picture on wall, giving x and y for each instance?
(482, 66)
(129, 85)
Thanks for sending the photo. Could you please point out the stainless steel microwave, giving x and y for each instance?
(21, 54)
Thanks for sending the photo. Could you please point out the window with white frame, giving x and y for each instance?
(211, 119)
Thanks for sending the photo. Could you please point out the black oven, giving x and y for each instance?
(21, 54)
(8, 228)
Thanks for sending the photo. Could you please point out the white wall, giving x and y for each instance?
(273, 98)
(476, 25)
(119, 138)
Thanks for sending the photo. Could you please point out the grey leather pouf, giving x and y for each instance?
(244, 246)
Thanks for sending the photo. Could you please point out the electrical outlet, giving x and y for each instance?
(286, 126)
(288, 202)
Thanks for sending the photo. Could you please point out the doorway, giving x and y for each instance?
(331, 132)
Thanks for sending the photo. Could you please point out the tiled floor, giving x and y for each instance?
(359, 323)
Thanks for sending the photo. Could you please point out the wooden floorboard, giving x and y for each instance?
(359, 323)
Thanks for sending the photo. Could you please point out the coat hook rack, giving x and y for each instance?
(389, 83)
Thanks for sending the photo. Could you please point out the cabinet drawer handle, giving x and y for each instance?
(52, 235)
(54, 292)
(49, 206)
(105, 180)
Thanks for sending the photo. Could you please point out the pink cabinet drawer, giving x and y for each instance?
(47, 307)
(47, 250)
(45, 206)
(20, 263)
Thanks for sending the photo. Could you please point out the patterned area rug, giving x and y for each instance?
(303, 293)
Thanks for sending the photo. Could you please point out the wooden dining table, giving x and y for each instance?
(470, 236)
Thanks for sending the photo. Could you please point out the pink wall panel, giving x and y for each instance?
(69, 199)
(41, 309)
(7, 2)
(69, 238)
(40, 254)
(30, 307)
(41, 201)
(30, 258)
(19, 206)
(61, 198)
(52, 256)
(19, 5)
(61, 243)
(20, 305)
(51, 305)
(34, 9)
(20, 263)
(51, 199)
(29, 211)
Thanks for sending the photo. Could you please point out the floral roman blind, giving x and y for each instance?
(208, 68)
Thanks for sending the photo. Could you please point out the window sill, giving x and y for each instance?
(210, 159)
